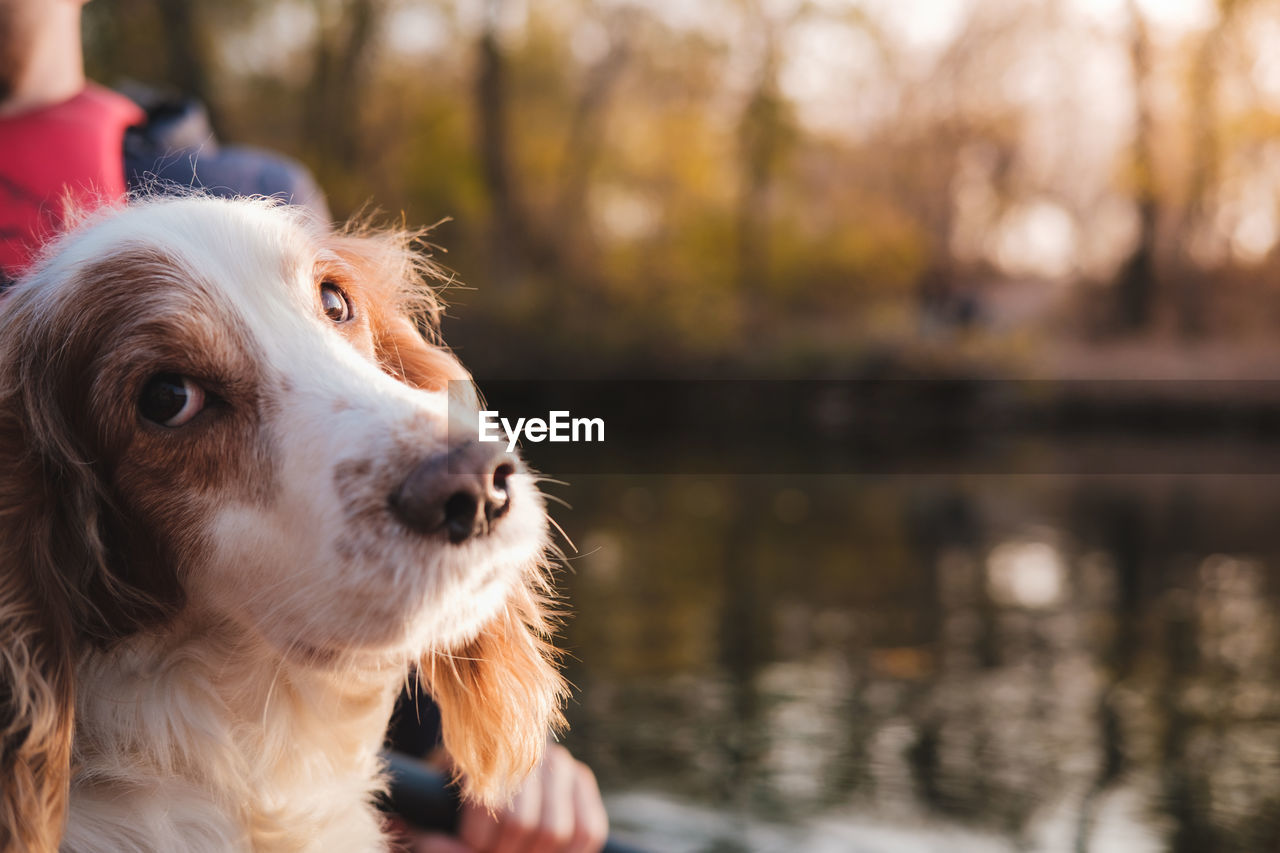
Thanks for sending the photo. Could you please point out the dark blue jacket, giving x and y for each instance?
(176, 147)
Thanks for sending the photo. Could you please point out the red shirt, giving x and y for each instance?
(65, 155)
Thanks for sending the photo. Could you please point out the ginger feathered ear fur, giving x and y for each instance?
(35, 721)
(500, 697)
(41, 558)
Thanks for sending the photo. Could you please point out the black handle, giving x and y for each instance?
(424, 798)
(420, 795)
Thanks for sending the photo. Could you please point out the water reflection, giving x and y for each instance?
(907, 664)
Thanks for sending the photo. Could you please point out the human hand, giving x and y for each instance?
(557, 810)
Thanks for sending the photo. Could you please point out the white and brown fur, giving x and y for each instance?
(203, 628)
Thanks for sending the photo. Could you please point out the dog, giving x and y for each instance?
(234, 517)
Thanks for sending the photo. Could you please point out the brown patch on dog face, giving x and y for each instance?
(364, 490)
(387, 280)
(155, 485)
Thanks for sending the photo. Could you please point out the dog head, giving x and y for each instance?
(215, 410)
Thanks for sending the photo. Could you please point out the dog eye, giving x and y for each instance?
(336, 305)
(170, 399)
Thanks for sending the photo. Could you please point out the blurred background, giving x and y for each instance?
(789, 189)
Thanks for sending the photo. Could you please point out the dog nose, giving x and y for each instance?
(462, 492)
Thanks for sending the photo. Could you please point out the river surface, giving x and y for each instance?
(926, 663)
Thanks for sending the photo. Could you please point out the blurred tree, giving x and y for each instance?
(188, 52)
(1205, 170)
(508, 218)
(761, 131)
(121, 39)
(547, 234)
(167, 44)
(587, 131)
(1200, 239)
(335, 97)
(1135, 286)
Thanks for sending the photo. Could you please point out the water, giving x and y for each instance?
(909, 664)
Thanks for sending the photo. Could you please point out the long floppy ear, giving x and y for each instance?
(72, 568)
(500, 696)
(36, 665)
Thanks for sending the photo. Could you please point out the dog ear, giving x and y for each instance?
(52, 558)
(500, 697)
(36, 663)
(72, 568)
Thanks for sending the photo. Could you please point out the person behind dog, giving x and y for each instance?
(65, 140)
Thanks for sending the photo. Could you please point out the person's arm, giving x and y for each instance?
(41, 61)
